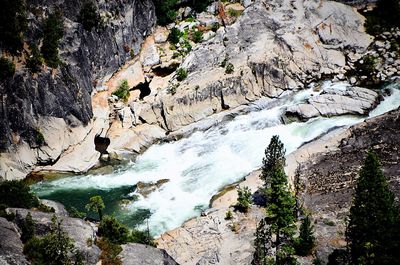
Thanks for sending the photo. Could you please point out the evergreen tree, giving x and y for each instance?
(373, 232)
(306, 240)
(53, 31)
(262, 244)
(13, 23)
(89, 16)
(281, 208)
(244, 199)
(96, 204)
(274, 158)
(28, 228)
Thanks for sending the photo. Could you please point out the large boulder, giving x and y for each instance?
(133, 254)
(11, 247)
(78, 230)
(333, 101)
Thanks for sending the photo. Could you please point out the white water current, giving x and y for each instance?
(200, 165)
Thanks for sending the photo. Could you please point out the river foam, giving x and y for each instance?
(201, 164)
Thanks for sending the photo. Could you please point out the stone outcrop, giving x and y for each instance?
(327, 175)
(336, 101)
(133, 254)
(77, 229)
(11, 247)
(272, 46)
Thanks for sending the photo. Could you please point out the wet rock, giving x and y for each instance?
(145, 188)
(333, 102)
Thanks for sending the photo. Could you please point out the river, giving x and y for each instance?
(197, 166)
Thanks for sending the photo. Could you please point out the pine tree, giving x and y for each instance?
(262, 244)
(28, 228)
(281, 206)
(373, 232)
(96, 204)
(244, 199)
(306, 240)
(274, 157)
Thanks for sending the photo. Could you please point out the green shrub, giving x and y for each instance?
(35, 61)
(165, 11)
(113, 231)
(28, 228)
(53, 30)
(174, 36)
(73, 212)
(181, 74)
(7, 68)
(305, 243)
(244, 199)
(89, 16)
(142, 237)
(228, 215)
(215, 26)
(109, 252)
(13, 23)
(229, 68)
(234, 12)
(16, 193)
(4, 214)
(52, 249)
(197, 36)
(123, 91)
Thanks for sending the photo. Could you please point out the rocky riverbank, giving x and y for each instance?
(285, 51)
(325, 170)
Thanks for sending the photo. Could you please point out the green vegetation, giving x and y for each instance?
(228, 215)
(244, 199)
(89, 16)
(181, 74)
(53, 249)
(35, 61)
(109, 252)
(13, 24)
(73, 212)
(7, 68)
(233, 12)
(197, 36)
(229, 68)
(174, 36)
(116, 233)
(373, 232)
(262, 244)
(165, 11)
(305, 243)
(215, 26)
(123, 90)
(96, 204)
(281, 208)
(28, 228)
(17, 194)
(53, 30)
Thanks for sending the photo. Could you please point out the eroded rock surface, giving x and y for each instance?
(336, 101)
(133, 254)
(11, 247)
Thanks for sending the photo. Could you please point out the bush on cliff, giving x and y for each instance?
(89, 16)
(16, 193)
(53, 30)
(13, 23)
(373, 232)
(7, 68)
(244, 199)
(123, 91)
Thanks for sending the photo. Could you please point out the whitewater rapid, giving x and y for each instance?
(200, 165)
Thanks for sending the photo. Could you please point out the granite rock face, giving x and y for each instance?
(272, 47)
(88, 57)
(328, 178)
(334, 102)
(133, 254)
(11, 247)
(77, 229)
